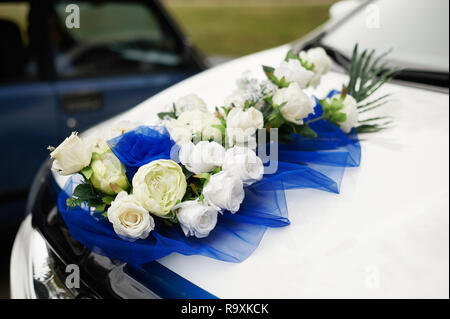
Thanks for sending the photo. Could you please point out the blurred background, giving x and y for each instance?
(54, 80)
(232, 28)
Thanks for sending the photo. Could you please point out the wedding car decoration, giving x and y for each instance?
(199, 183)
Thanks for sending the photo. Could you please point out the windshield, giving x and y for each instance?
(416, 30)
(113, 37)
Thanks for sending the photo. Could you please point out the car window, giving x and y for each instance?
(112, 38)
(16, 63)
(416, 30)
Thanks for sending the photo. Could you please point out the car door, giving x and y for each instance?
(122, 53)
(27, 103)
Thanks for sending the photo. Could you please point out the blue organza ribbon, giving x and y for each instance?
(306, 163)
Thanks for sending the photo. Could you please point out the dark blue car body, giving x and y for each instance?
(41, 104)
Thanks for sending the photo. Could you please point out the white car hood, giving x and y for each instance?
(385, 235)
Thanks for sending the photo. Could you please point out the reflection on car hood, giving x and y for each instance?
(385, 235)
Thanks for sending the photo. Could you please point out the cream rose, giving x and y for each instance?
(108, 174)
(202, 157)
(129, 219)
(159, 185)
(224, 191)
(71, 156)
(196, 218)
(297, 105)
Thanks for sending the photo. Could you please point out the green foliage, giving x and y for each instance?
(367, 74)
(165, 115)
(87, 172)
(281, 83)
(303, 130)
(275, 119)
(86, 193)
(331, 109)
(305, 64)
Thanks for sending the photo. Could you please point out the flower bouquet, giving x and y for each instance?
(211, 183)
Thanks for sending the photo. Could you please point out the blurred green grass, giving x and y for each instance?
(236, 30)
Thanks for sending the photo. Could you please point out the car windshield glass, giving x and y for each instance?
(112, 37)
(417, 31)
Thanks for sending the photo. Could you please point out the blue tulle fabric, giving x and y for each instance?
(306, 163)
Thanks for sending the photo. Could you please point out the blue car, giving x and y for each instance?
(65, 68)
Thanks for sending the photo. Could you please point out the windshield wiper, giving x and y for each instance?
(424, 77)
(434, 78)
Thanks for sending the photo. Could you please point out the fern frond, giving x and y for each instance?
(368, 73)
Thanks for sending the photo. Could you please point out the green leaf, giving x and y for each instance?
(268, 69)
(73, 202)
(281, 83)
(366, 77)
(100, 208)
(203, 176)
(304, 130)
(338, 117)
(188, 174)
(87, 172)
(84, 191)
(108, 199)
(275, 118)
(163, 115)
(226, 110)
(305, 64)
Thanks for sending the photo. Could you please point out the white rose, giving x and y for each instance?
(98, 140)
(180, 135)
(236, 99)
(71, 156)
(202, 157)
(224, 191)
(351, 111)
(158, 186)
(130, 220)
(298, 105)
(108, 174)
(209, 131)
(321, 63)
(242, 125)
(244, 162)
(190, 102)
(196, 218)
(293, 71)
(192, 123)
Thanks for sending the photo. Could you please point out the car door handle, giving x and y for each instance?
(82, 101)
